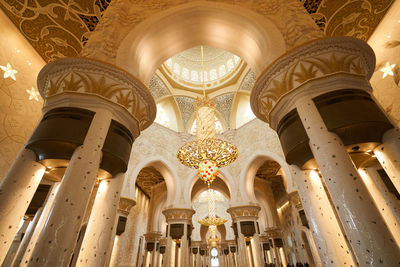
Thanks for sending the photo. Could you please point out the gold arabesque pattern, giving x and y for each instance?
(356, 18)
(57, 28)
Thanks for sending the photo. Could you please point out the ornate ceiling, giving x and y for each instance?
(60, 28)
(268, 169)
(55, 28)
(356, 18)
(147, 178)
(269, 172)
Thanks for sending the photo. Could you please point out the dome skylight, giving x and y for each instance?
(185, 67)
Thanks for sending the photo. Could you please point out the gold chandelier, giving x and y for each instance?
(206, 153)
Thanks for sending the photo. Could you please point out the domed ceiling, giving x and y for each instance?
(185, 68)
(179, 81)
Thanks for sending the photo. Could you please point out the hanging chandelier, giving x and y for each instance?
(212, 221)
(206, 153)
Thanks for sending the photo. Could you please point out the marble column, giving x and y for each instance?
(168, 250)
(334, 72)
(387, 204)
(16, 191)
(178, 216)
(243, 259)
(32, 242)
(100, 228)
(153, 238)
(56, 243)
(185, 246)
(368, 234)
(325, 228)
(255, 247)
(296, 206)
(27, 237)
(273, 233)
(16, 244)
(240, 214)
(388, 154)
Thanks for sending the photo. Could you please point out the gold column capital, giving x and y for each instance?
(178, 214)
(87, 77)
(125, 205)
(248, 212)
(316, 59)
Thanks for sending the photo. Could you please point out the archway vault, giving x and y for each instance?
(238, 30)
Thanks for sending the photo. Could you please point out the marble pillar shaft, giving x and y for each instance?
(32, 242)
(27, 237)
(57, 241)
(388, 205)
(16, 244)
(243, 259)
(368, 235)
(100, 229)
(16, 191)
(168, 249)
(326, 231)
(388, 155)
(300, 257)
(256, 249)
(184, 247)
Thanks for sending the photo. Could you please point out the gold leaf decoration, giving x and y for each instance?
(56, 28)
(356, 18)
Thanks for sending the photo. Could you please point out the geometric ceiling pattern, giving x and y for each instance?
(58, 28)
(186, 108)
(157, 87)
(147, 178)
(224, 106)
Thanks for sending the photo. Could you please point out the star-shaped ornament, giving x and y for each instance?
(9, 71)
(388, 69)
(33, 94)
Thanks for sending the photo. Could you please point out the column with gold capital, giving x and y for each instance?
(93, 111)
(318, 99)
(179, 220)
(244, 219)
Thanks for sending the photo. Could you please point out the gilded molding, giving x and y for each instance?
(178, 214)
(241, 212)
(153, 236)
(313, 60)
(273, 232)
(87, 76)
(125, 205)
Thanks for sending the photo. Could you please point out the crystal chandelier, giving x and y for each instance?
(206, 153)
